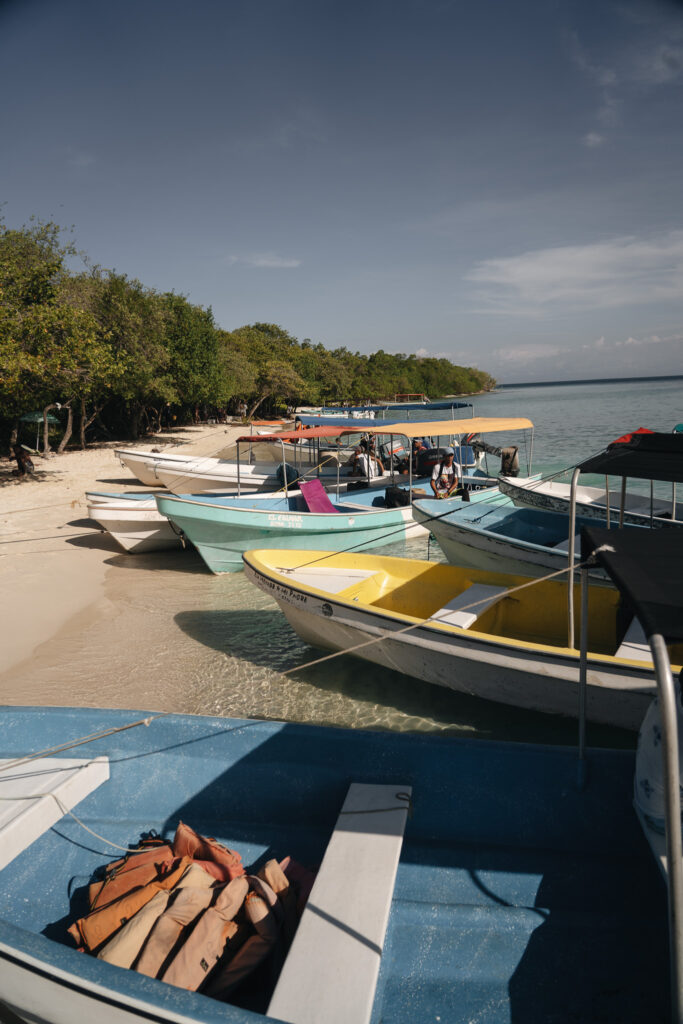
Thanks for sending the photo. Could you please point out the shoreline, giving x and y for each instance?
(52, 556)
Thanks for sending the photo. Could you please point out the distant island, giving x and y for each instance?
(591, 380)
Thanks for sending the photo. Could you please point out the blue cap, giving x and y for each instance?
(449, 451)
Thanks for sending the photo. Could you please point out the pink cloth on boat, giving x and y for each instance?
(315, 496)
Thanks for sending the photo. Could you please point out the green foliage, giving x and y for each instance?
(119, 351)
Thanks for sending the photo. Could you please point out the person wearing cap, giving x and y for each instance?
(446, 475)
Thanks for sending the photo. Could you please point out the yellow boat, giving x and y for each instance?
(461, 628)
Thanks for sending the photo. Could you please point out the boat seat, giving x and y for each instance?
(634, 645)
(36, 794)
(563, 545)
(330, 973)
(315, 496)
(452, 614)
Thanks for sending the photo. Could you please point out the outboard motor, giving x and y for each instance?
(286, 473)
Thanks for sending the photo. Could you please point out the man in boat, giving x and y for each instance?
(366, 462)
(446, 475)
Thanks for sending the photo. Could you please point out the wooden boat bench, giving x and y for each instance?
(451, 613)
(331, 971)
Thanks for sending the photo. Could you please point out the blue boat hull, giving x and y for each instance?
(223, 529)
(518, 897)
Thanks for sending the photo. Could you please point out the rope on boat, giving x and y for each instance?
(82, 740)
(422, 622)
(67, 810)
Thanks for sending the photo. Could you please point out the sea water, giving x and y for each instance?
(169, 635)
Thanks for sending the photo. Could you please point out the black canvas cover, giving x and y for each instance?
(647, 568)
(646, 456)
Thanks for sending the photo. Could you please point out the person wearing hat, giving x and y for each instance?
(446, 475)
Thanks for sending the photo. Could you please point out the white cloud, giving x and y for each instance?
(265, 260)
(526, 353)
(601, 275)
(662, 64)
(593, 139)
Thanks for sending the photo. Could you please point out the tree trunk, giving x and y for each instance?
(259, 402)
(46, 429)
(69, 428)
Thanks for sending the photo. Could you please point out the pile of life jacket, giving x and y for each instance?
(188, 913)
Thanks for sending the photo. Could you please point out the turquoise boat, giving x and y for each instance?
(223, 528)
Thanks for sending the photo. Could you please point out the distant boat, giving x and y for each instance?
(488, 902)
(458, 628)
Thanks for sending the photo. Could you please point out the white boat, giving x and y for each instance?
(141, 463)
(591, 502)
(459, 628)
(135, 524)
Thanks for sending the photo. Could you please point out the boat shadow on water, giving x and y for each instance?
(516, 891)
(418, 706)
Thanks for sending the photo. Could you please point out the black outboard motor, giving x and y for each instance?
(427, 459)
(290, 471)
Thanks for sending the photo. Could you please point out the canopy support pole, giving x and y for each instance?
(284, 466)
(530, 459)
(238, 469)
(583, 678)
(672, 810)
(570, 560)
(622, 504)
(607, 498)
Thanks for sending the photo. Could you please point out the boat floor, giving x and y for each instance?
(518, 898)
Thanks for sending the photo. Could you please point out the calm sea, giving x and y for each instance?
(169, 635)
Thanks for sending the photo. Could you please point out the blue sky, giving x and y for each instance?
(498, 183)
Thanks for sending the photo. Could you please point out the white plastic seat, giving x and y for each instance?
(476, 592)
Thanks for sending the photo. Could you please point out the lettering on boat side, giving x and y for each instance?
(283, 592)
(326, 609)
(291, 522)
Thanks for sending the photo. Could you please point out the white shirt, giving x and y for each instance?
(443, 475)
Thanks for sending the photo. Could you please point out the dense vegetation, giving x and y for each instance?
(120, 359)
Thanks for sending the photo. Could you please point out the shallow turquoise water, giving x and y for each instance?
(168, 635)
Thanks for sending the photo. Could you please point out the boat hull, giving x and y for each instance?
(136, 530)
(500, 899)
(222, 533)
(472, 545)
(530, 676)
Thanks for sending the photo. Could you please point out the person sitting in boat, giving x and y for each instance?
(446, 475)
(366, 462)
(298, 425)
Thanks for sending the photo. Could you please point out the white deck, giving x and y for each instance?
(35, 795)
(331, 971)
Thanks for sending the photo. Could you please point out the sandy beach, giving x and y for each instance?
(52, 557)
